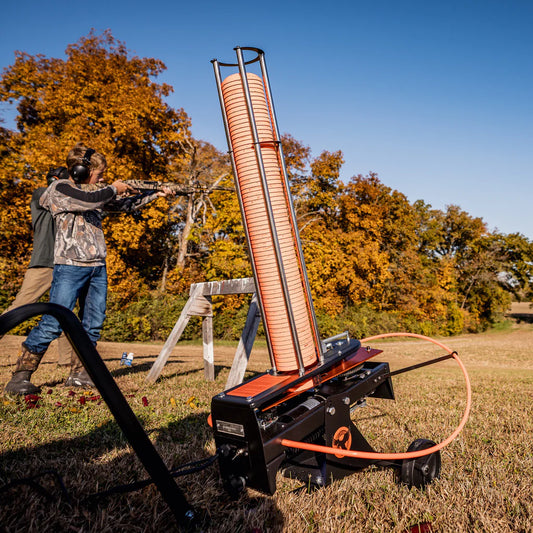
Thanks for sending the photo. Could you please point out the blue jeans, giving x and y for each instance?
(89, 284)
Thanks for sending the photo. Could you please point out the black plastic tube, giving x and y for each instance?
(111, 394)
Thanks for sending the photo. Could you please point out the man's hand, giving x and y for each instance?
(123, 188)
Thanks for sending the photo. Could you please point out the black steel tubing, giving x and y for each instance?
(258, 51)
(111, 394)
(420, 365)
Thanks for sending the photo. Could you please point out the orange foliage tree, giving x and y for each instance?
(367, 248)
(101, 95)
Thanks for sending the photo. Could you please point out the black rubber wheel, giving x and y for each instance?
(421, 471)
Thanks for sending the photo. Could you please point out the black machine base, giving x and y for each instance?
(314, 408)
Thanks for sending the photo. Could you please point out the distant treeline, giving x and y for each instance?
(376, 262)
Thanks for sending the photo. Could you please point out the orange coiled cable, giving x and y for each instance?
(268, 279)
(395, 456)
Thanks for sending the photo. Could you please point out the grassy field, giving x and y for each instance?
(485, 485)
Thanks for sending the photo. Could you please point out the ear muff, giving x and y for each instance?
(59, 173)
(82, 171)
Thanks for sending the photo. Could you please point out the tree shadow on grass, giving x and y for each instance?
(218, 369)
(102, 459)
(526, 318)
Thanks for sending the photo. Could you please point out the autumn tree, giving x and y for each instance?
(105, 97)
(204, 172)
(366, 244)
(472, 259)
(297, 158)
(342, 262)
(516, 276)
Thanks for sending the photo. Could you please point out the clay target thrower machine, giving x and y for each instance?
(294, 418)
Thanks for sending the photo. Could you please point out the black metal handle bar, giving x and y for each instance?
(420, 365)
(258, 51)
(111, 394)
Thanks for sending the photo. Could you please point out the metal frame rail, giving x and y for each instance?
(241, 64)
(111, 394)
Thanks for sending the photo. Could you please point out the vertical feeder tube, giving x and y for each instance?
(271, 221)
(255, 206)
(300, 254)
(218, 78)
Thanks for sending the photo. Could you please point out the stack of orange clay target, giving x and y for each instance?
(268, 280)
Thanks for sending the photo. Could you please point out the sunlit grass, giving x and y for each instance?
(485, 485)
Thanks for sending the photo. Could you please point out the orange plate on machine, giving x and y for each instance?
(267, 384)
(342, 366)
(261, 384)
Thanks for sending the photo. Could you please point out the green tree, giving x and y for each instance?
(517, 273)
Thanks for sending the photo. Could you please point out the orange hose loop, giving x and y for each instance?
(395, 456)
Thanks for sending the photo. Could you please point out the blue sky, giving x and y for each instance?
(436, 97)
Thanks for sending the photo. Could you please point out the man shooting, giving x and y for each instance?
(79, 260)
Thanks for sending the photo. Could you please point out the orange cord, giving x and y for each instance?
(395, 456)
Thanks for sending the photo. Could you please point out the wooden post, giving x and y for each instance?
(174, 336)
(246, 342)
(199, 304)
(209, 355)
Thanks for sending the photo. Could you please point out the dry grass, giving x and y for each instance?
(487, 473)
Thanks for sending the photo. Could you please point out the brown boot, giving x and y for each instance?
(20, 384)
(79, 377)
(25, 366)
